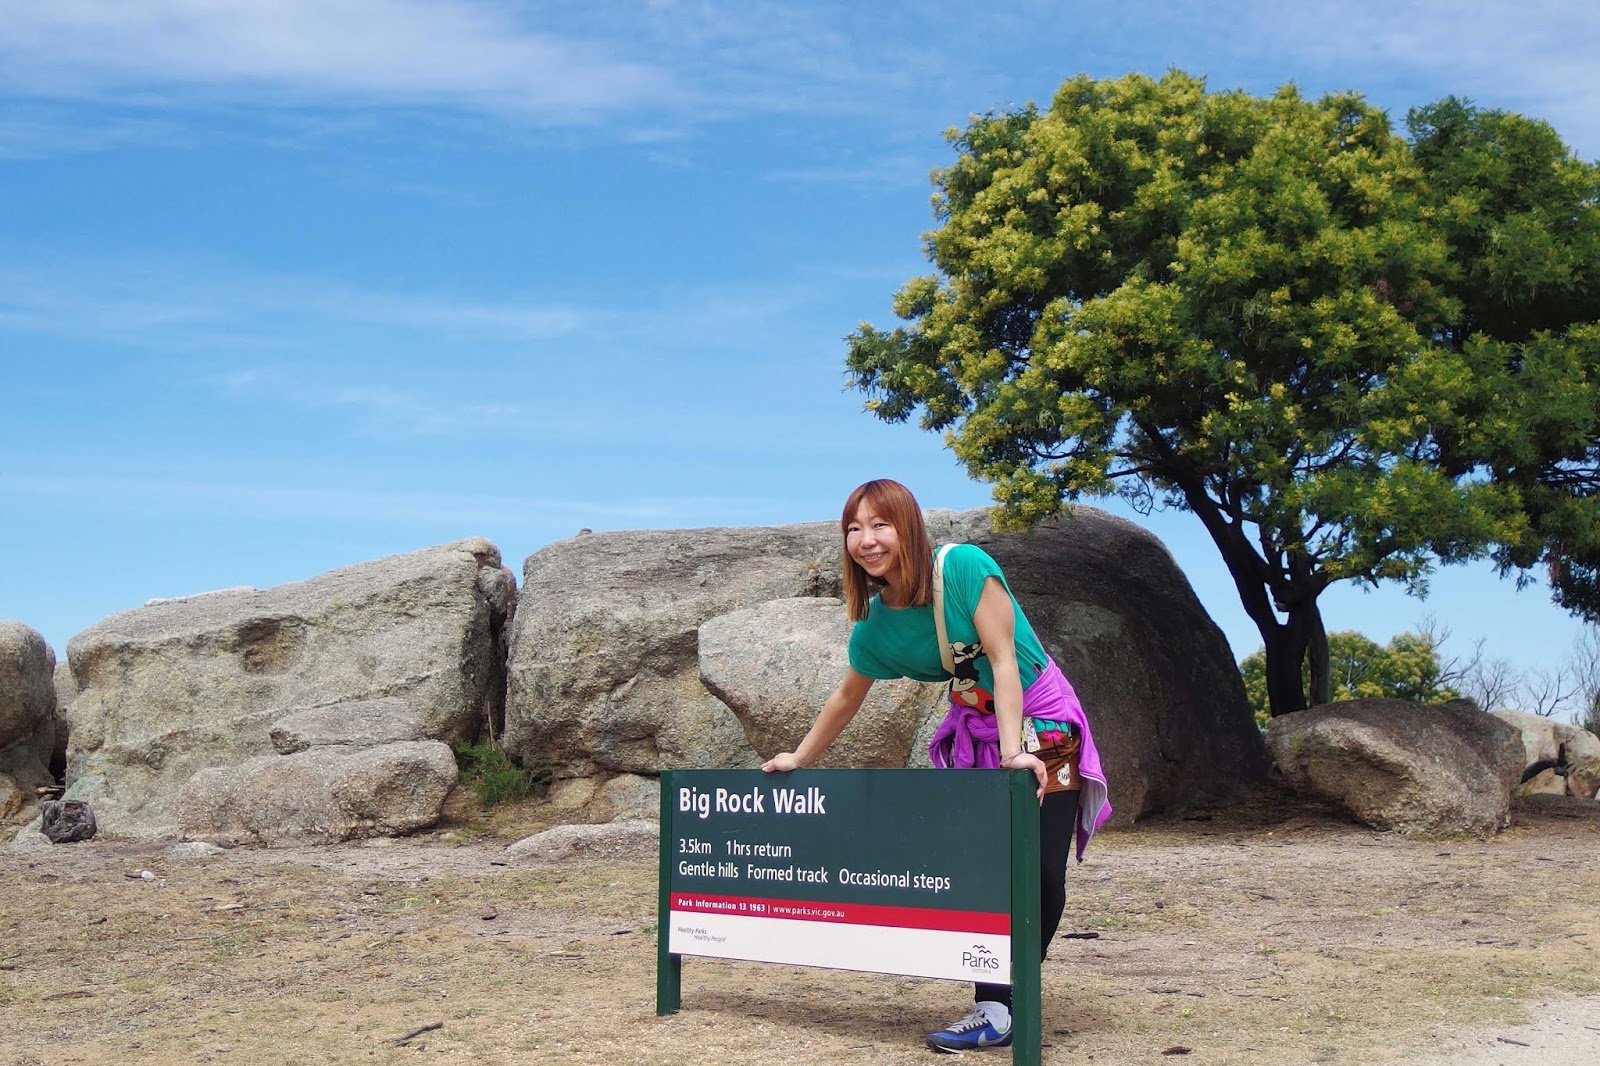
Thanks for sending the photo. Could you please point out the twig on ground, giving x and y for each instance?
(1508, 1040)
(418, 1031)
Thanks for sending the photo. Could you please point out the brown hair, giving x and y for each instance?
(893, 501)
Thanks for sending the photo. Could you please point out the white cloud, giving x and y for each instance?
(350, 503)
(41, 301)
(654, 68)
(902, 171)
(647, 67)
(153, 301)
(40, 134)
(396, 364)
(1536, 57)
(464, 52)
(136, 301)
(378, 410)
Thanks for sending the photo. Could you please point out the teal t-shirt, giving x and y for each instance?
(902, 642)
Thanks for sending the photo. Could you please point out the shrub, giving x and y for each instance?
(494, 777)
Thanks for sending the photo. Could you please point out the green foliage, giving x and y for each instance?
(1252, 309)
(1407, 668)
(1522, 216)
(491, 774)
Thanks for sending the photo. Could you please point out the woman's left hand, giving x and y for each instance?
(1024, 761)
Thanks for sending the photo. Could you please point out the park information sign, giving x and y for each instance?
(916, 872)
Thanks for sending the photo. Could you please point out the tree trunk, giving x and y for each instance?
(1285, 643)
(1291, 646)
(1285, 648)
(1299, 603)
(1317, 655)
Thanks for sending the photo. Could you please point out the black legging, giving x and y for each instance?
(1058, 827)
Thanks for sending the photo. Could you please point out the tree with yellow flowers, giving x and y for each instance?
(1248, 308)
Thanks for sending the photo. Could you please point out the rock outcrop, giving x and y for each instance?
(591, 800)
(1402, 766)
(360, 724)
(615, 841)
(321, 796)
(168, 690)
(27, 717)
(637, 652)
(1547, 741)
(604, 671)
(774, 664)
(12, 798)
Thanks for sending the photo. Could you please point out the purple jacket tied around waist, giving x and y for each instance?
(967, 739)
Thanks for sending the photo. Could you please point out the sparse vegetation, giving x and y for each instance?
(494, 777)
(1407, 668)
(1266, 949)
(1414, 666)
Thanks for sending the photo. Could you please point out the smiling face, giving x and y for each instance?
(873, 543)
(885, 540)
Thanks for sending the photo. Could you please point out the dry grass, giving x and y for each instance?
(1263, 935)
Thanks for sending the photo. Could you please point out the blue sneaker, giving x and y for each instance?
(972, 1033)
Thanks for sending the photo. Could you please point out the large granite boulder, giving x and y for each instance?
(1548, 741)
(616, 841)
(604, 669)
(27, 716)
(12, 798)
(359, 724)
(181, 686)
(594, 800)
(1403, 766)
(773, 665)
(321, 796)
(629, 650)
(27, 686)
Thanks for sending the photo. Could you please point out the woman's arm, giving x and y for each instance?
(836, 714)
(996, 622)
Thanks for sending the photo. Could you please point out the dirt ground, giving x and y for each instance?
(1268, 933)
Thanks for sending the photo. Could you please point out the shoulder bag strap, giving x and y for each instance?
(938, 610)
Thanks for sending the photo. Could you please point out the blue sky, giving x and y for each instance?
(287, 285)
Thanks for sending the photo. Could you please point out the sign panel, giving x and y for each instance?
(888, 871)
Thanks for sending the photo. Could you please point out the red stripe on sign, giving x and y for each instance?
(844, 913)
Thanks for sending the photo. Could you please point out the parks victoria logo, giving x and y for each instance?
(979, 959)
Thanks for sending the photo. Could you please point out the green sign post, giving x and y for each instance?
(928, 874)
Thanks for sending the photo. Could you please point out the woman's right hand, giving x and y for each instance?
(781, 763)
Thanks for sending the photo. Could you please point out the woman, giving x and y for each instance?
(1010, 706)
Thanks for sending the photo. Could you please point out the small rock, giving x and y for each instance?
(29, 839)
(612, 840)
(490, 914)
(67, 821)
